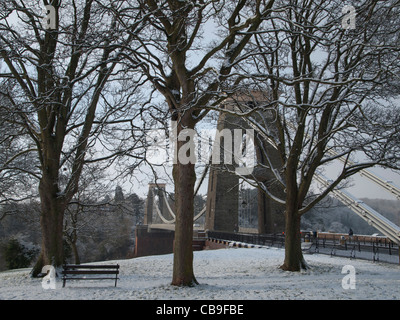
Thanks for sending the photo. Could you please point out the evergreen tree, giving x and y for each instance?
(17, 255)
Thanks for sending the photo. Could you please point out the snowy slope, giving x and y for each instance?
(223, 274)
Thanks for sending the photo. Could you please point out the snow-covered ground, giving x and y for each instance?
(235, 273)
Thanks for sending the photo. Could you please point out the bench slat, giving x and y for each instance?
(74, 278)
(79, 266)
(71, 270)
(90, 272)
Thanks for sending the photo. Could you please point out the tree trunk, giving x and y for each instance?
(73, 240)
(294, 260)
(51, 220)
(184, 179)
(263, 213)
(76, 253)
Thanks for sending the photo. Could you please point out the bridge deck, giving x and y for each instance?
(171, 226)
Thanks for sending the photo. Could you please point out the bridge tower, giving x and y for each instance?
(149, 241)
(156, 190)
(223, 184)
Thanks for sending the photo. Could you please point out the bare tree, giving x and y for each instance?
(330, 99)
(84, 207)
(63, 73)
(190, 72)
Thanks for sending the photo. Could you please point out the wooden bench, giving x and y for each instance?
(90, 272)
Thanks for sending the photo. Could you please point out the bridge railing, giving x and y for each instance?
(381, 223)
(358, 246)
(276, 240)
(341, 245)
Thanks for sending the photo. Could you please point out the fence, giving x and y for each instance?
(354, 247)
(273, 240)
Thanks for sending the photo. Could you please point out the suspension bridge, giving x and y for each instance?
(160, 225)
(228, 208)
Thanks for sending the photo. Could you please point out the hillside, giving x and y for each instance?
(229, 274)
(331, 215)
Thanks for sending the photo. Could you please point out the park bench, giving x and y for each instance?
(90, 272)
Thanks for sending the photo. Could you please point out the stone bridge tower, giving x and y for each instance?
(156, 190)
(223, 185)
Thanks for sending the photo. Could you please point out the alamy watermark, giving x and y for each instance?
(49, 20)
(229, 147)
(349, 18)
(49, 280)
(349, 280)
(238, 149)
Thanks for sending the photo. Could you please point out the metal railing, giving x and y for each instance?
(374, 218)
(356, 247)
(273, 240)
